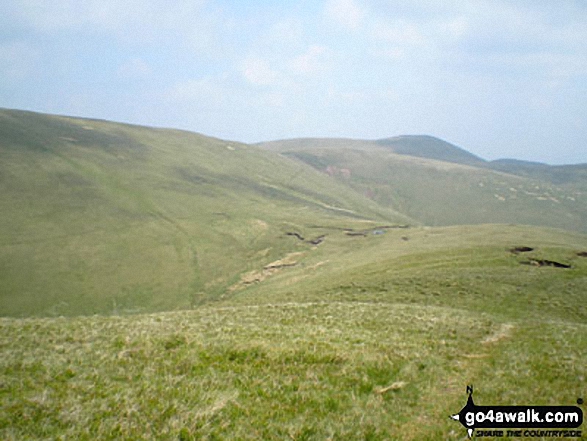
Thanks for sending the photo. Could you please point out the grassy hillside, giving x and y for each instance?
(100, 217)
(439, 184)
(557, 174)
(448, 267)
(364, 337)
(298, 302)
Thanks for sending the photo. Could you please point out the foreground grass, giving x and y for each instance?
(289, 371)
(368, 337)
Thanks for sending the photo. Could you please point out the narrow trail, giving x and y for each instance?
(451, 391)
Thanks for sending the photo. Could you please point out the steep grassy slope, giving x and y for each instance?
(99, 217)
(364, 337)
(439, 184)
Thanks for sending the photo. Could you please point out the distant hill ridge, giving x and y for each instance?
(438, 183)
(426, 146)
(422, 146)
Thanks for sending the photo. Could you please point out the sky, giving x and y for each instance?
(499, 78)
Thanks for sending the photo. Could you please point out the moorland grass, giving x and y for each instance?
(289, 371)
(378, 343)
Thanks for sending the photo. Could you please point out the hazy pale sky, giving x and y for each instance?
(498, 78)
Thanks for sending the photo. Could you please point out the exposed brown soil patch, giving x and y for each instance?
(518, 250)
(317, 241)
(299, 236)
(376, 230)
(257, 276)
(504, 332)
(545, 262)
(356, 233)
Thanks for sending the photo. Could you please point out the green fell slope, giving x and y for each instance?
(99, 217)
(575, 174)
(439, 184)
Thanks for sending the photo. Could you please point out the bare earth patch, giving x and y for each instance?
(502, 333)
